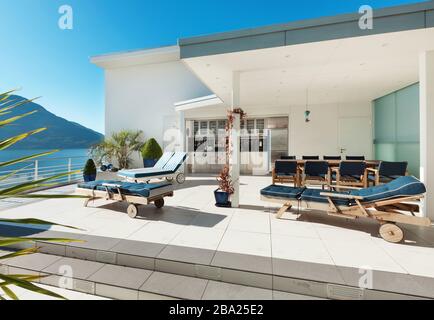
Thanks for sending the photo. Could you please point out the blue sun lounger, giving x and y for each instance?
(167, 167)
(391, 203)
(133, 193)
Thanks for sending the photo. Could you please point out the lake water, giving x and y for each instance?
(48, 165)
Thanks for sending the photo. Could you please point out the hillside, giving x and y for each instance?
(60, 133)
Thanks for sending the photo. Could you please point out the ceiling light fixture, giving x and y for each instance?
(307, 112)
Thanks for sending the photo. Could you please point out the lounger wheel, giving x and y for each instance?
(180, 178)
(159, 203)
(391, 233)
(132, 211)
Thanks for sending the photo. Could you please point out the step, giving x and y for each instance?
(295, 277)
(126, 283)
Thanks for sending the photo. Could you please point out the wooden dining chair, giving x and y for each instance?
(316, 173)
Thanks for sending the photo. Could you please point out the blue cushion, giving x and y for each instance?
(283, 192)
(316, 168)
(127, 188)
(286, 168)
(314, 195)
(402, 187)
(392, 168)
(171, 166)
(143, 173)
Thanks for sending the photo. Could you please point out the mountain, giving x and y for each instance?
(60, 133)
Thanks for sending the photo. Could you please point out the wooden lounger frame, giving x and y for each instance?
(386, 212)
(133, 201)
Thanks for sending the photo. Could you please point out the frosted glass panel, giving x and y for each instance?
(408, 122)
(409, 152)
(385, 119)
(385, 151)
(397, 126)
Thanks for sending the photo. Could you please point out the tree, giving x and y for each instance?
(22, 191)
(119, 147)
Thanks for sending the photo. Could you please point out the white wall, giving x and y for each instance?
(142, 97)
(321, 135)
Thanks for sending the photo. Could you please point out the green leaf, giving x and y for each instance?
(19, 253)
(7, 176)
(4, 242)
(36, 222)
(18, 104)
(29, 286)
(30, 185)
(45, 196)
(9, 292)
(5, 95)
(16, 118)
(12, 162)
(28, 277)
(4, 144)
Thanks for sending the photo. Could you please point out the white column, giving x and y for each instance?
(182, 132)
(235, 142)
(426, 78)
(182, 137)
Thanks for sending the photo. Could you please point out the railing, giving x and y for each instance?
(33, 170)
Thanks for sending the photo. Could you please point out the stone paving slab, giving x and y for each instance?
(126, 283)
(245, 246)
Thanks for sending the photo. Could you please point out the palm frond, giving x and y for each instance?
(16, 118)
(4, 144)
(33, 184)
(10, 280)
(19, 253)
(9, 292)
(36, 222)
(5, 242)
(38, 155)
(15, 105)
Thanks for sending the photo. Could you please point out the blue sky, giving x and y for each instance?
(43, 60)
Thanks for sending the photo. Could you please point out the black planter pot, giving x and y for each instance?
(222, 198)
(89, 177)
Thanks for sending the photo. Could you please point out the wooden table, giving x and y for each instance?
(333, 164)
(336, 163)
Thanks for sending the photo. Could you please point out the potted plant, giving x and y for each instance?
(151, 152)
(223, 193)
(118, 148)
(89, 171)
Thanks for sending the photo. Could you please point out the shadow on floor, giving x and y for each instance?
(413, 236)
(196, 183)
(176, 215)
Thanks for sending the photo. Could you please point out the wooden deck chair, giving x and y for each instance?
(389, 204)
(134, 194)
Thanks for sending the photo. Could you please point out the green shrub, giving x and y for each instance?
(89, 168)
(152, 150)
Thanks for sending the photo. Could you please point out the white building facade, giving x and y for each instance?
(331, 67)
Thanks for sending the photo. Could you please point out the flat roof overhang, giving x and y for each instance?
(340, 71)
(393, 19)
(198, 103)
